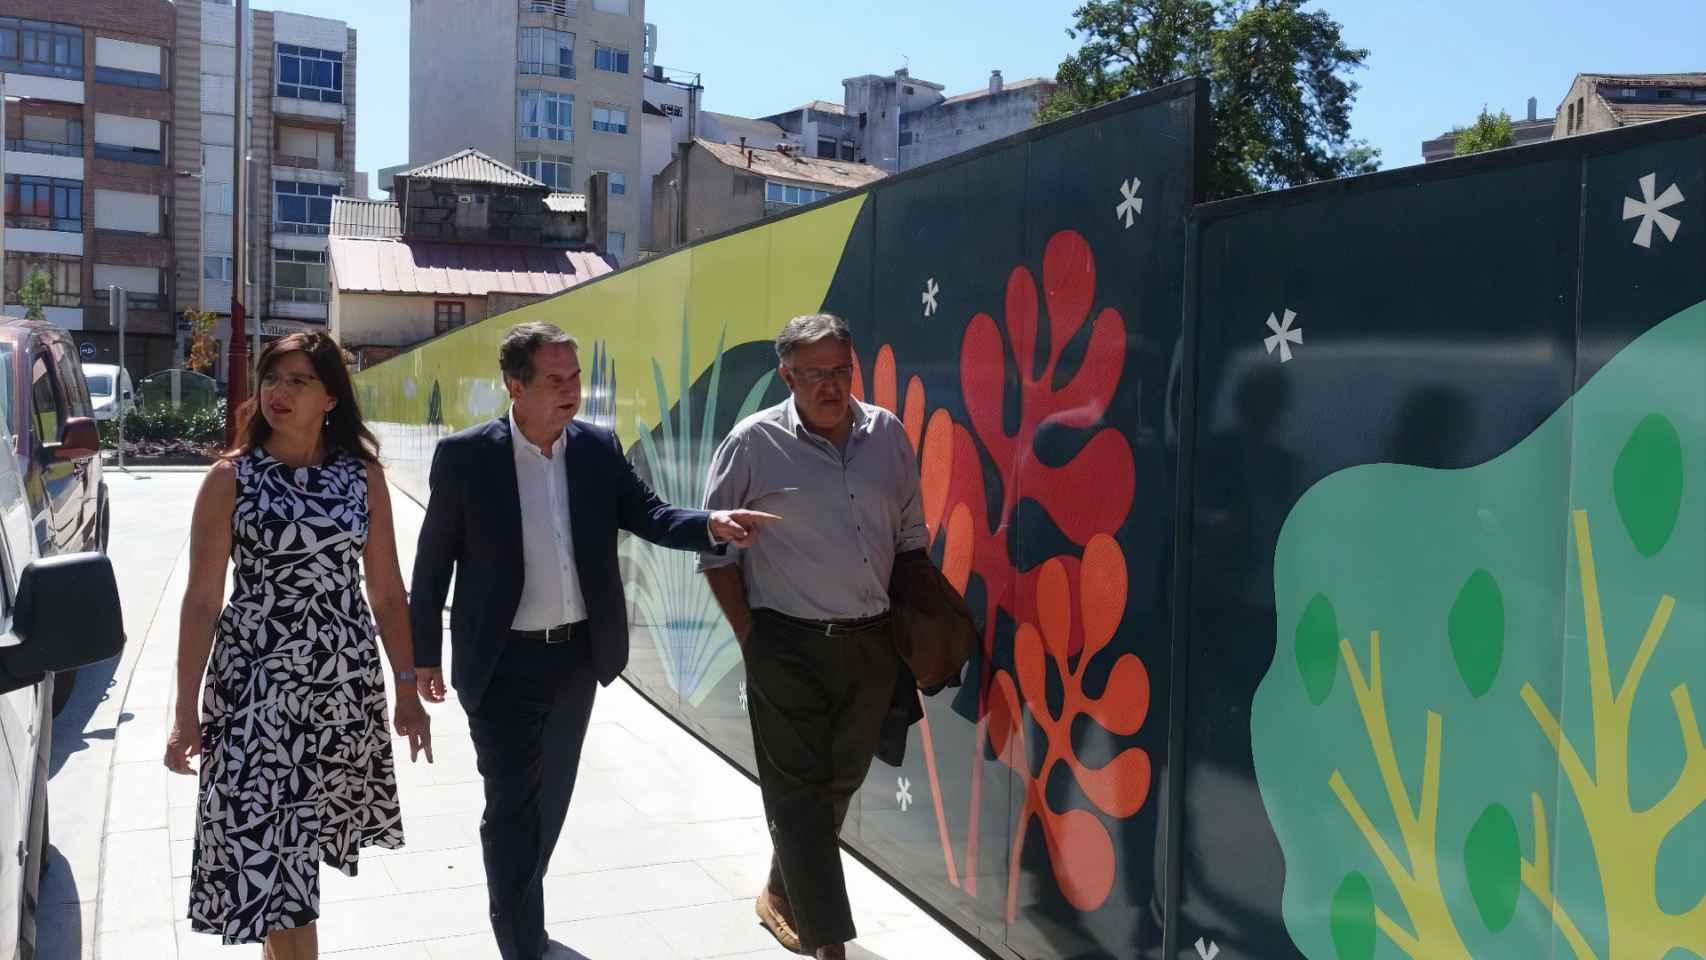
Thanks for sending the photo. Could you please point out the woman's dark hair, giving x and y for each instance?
(344, 428)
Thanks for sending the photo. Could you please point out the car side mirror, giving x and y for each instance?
(79, 439)
(67, 616)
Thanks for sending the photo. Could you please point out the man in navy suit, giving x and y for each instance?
(526, 509)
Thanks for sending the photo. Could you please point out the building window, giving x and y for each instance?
(610, 119)
(618, 183)
(611, 6)
(562, 8)
(545, 115)
(1581, 112)
(43, 49)
(447, 316)
(826, 148)
(847, 152)
(57, 136)
(307, 73)
(791, 195)
(610, 58)
(216, 268)
(126, 154)
(44, 203)
(617, 241)
(129, 78)
(302, 207)
(65, 272)
(545, 52)
(906, 138)
(299, 276)
(552, 171)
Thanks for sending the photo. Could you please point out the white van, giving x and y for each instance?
(103, 378)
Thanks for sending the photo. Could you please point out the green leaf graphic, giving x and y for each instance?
(1647, 483)
(1492, 856)
(1353, 918)
(1318, 648)
(1477, 631)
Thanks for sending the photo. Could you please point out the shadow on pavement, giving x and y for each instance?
(94, 685)
(59, 914)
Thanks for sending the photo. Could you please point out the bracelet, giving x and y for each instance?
(405, 676)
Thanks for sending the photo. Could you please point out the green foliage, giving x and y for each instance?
(1477, 631)
(1352, 920)
(37, 292)
(673, 601)
(192, 425)
(1281, 105)
(1318, 648)
(1492, 856)
(1647, 483)
(1489, 132)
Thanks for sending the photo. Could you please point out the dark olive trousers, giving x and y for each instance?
(817, 704)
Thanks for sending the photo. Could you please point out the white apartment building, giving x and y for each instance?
(550, 87)
(300, 96)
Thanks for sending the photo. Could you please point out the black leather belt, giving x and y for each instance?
(555, 635)
(828, 628)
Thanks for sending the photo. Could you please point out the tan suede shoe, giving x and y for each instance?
(773, 913)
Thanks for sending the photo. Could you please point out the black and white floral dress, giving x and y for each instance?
(296, 764)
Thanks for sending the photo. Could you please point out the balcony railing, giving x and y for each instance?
(132, 299)
(28, 222)
(25, 145)
(305, 229)
(301, 163)
(561, 8)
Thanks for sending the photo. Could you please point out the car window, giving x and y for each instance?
(44, 403)
(6, 388)
(100, 385)
(77, 402)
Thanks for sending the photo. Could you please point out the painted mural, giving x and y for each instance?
(1336, 552)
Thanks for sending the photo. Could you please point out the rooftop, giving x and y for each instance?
(354, 217)
(392, 265)
(472, 166)
(841, 174)
(1013, 87)
(728, 128)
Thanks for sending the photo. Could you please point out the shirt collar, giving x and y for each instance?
(520, 443)
(791, 417)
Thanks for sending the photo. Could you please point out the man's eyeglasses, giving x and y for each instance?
(817, 375)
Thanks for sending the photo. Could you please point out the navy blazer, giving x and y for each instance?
(473, 523)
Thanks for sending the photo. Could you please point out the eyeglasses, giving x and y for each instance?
(817, 375)
(295, 383)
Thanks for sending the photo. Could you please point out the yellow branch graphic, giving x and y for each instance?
(1435, 936)
(1625, 841)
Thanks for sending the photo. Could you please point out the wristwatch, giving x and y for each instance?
(405, 676)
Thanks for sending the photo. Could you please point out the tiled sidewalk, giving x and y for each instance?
(663, 852)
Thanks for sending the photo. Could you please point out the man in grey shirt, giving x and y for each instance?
(809, 603)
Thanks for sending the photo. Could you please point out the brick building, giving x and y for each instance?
(88, 167)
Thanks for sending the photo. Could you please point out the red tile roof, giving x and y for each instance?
(369, 265)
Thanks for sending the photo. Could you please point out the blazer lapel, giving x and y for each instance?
(507, 489)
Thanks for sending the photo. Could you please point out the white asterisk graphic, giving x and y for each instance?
(1208, 952)
(1651, 209)
(1131, 205)
(929, 297)
(1284, 335)
(743, 694)
(903, 796)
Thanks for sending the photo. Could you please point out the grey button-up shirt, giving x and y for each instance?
(844, 517)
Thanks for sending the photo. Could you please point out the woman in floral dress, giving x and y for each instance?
(296, 764)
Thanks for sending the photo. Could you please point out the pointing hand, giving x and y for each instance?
(740, 527)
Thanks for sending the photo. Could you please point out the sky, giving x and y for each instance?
(1431, 65)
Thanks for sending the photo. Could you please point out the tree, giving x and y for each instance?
(204, 350)
(1488, 133)
(36, 293)
(1280, 103)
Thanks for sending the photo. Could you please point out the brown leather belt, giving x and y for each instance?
(555, 635)
(829, 628)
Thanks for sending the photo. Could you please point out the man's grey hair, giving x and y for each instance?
(803, 331)
(515, 355)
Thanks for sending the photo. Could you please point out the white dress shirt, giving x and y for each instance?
(551, 587)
